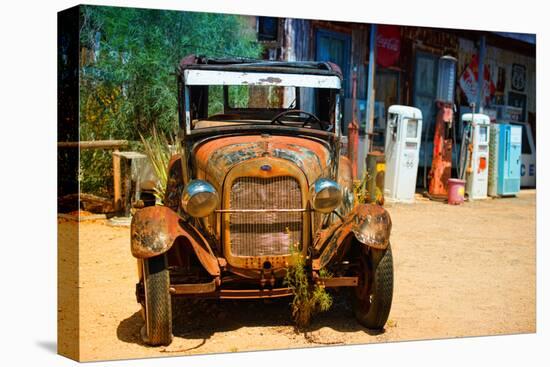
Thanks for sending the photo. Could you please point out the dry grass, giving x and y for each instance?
(308, 300)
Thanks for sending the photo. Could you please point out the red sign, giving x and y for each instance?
(388, 45)
(468, 82)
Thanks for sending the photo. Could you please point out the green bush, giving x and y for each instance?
(127, 82)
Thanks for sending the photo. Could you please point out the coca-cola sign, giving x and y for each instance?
(388, 45)
(469, 84)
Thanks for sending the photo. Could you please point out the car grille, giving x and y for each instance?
(265, 233)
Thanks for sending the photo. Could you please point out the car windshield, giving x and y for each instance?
(261, 98)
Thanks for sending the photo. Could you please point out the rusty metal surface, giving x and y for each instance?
(174, 184)
(193, 288)
(442, 154)
(216, 157)
(253, 274)
(353, 129)
(252, 294)
(253, 169)
(437, 39)
(154, 230)
(184, 290)
(345, 180)
(269, 210)
(267, 233)
(337, 282)
(368, 224)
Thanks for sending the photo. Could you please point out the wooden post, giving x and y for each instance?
(127, 186)
(116, 180)
(94, 144)
(104, 144)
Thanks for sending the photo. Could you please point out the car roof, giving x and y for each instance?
(254, 65)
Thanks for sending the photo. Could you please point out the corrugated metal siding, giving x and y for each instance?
(302, 39)
(432, 40)
(303, 52)
(359, 58)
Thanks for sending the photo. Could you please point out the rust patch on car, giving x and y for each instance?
(174, 184)
(217, 157)
(369, 224)
(154, 230)
(271, 80)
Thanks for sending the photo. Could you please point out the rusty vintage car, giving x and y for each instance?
(259, 173)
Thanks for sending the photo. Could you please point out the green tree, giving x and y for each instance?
(127, 81)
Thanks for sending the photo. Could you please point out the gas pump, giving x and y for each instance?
(476, 136)
(353, 131)
(443, 137)
(402, 149)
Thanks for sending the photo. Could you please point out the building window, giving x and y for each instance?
(268, 28)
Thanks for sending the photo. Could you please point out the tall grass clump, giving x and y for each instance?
(157, 149)
(308, 299)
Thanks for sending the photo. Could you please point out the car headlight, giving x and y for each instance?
(199, 198)
(325, 195)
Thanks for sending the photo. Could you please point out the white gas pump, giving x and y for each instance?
(403, 136)
(477, 169)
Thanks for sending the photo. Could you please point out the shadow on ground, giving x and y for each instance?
(129, 329)
(200, 319)
(48, 345)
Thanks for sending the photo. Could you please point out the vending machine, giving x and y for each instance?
(509, 160)
(402, 147)
(477, 172)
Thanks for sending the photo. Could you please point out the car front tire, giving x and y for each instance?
(372, 297)
(158, 302)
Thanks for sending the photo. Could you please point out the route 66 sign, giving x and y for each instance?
(518, 77)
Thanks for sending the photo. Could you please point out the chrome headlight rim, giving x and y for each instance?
(331, 191)
(199, 198)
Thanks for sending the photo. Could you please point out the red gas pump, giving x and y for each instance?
(443, 136)
(442, 153)
(353, 132)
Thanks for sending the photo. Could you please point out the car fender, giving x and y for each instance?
(154, 230)
(368, 224)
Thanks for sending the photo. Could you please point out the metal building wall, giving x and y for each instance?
(497, 57)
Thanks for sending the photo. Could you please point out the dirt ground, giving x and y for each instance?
(459, 271)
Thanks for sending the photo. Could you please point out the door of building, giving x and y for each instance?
(424, 94)
(335, 47)
(387, 93)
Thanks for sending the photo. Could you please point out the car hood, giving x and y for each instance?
(216, 157)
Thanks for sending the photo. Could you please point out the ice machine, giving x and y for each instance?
(509, 160)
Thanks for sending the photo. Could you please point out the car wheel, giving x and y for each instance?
(373, 296)
(158, 302)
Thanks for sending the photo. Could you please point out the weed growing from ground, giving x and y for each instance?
(360, 188)
(308, 299)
